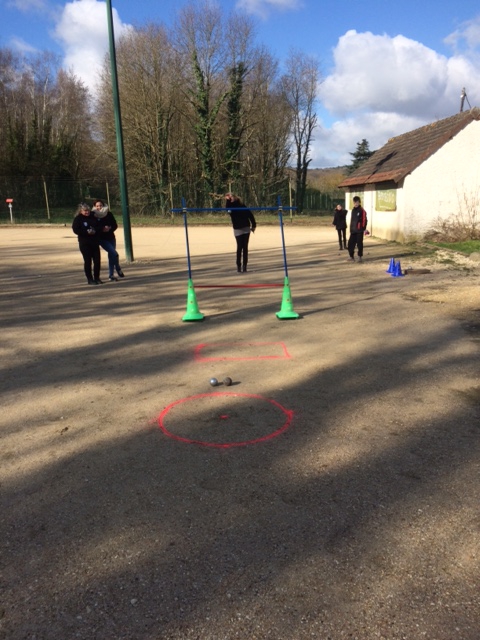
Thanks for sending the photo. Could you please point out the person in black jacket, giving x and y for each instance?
(243, 222)
(108, 226)
(340, 223)
(86, 226)
(358, 226)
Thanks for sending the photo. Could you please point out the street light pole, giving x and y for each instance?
(118, 128)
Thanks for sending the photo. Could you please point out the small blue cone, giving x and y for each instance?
(398, 271)
(391, 266)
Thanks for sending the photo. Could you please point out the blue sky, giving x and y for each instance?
(386, 67)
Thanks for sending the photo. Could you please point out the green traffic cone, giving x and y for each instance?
(286, 311)
(193, 312)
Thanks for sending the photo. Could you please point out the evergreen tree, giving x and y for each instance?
(359, 156)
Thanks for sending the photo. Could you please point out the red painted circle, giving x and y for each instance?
(288, 419)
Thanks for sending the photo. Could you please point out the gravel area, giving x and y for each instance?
(335, 490)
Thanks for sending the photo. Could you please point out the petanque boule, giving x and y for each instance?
(227, 381)
(214, 382)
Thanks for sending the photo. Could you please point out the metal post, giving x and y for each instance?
(280, 219)
(108, 193)
(9, 202)
(118, 128)
(290, 197)
(46, 197)
(189, 264)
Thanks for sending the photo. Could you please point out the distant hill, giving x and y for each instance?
(327, 170)
(322, 193)
(327, 180)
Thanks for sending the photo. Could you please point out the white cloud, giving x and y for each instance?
(383, 86)
(468, 33)
(262, 8)
(332, 145)
(383, 73)
(26, 6)
(18, 44)
(82, 32)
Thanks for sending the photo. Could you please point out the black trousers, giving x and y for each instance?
(91, 255)
(355, 240)
(342, 235)
(242, 250)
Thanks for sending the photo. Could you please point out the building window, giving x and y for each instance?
(386, 199)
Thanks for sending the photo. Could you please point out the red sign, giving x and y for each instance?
(9, 200)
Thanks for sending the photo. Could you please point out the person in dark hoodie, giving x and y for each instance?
(243, 222)
(108, 226)
(340, 223)
(358, 226)
(86, 226)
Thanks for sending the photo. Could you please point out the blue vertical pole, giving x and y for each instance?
(286, 312)
(186, 238)
(280, 218)
(193, 312)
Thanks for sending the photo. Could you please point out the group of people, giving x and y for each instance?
(358, 228)
(243, 222)
(96, 228)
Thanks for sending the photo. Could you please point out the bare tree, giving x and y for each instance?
(203, 111)
(45, 126)
(201, 39)
(268, 124)
(300, 84)
(149, 74)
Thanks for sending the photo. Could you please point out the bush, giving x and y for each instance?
(463, 225)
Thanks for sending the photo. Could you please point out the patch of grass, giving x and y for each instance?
(466, 246)
(65, 217)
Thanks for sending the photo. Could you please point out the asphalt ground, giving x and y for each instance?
(332, 491)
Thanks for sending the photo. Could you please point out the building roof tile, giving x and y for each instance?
(404, 153)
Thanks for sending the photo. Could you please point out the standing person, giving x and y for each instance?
(358, 226)
(340, 223)
(108, 226)
(243, 222)
(86, 226)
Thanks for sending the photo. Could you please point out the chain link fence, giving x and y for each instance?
(46, 200)
(43, 199)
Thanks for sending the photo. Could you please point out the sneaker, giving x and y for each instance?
(120, 273)
(92, 282)
(360, 259)
(98, 281)
(113, 279)
(351, 259)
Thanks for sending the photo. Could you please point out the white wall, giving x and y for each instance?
(438, 186)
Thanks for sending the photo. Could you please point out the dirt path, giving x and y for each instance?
(352, 513)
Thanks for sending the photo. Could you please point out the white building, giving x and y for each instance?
(429, 173)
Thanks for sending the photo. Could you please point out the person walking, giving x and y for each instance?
(86, 226)
(358, 226)
(108, 226)
(340, 223)
(243, 222)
